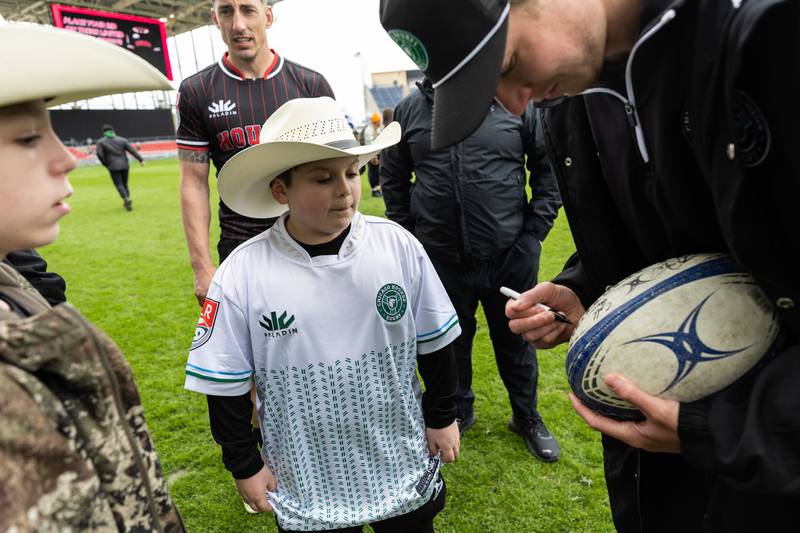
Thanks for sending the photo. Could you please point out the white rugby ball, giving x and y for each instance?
(680, 329)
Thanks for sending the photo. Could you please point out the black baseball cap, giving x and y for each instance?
(459, 46)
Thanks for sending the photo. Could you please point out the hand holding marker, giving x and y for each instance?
(560, 317)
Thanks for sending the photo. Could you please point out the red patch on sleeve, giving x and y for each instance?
(205, 326)
(208, 315)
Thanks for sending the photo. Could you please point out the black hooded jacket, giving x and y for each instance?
(111, 152)
(689, 145)
(468, 202)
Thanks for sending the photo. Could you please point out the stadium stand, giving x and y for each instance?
(387, 96)
(148, 149)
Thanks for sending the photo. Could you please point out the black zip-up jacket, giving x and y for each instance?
(111, 152)
(690, 145)
(468, 202)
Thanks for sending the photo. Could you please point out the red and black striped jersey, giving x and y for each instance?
(221, 112)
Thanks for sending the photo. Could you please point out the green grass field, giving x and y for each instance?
(129, 273)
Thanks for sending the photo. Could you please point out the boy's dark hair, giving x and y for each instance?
(285, 177)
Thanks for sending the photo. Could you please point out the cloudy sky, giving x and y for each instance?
(342, 39)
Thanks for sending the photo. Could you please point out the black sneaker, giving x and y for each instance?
(540, 442)
(128, 205)
(465, 423)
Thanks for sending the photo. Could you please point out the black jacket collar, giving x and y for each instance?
(426, 87)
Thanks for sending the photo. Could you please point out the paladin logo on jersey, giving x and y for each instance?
(222, 108)
(277, 326)
(391, 302)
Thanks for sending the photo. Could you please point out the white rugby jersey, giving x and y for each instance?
(331, 343)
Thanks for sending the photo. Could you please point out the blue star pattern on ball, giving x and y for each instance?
(687, 347)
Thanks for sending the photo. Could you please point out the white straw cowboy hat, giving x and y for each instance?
(42, 62)
(300, 131)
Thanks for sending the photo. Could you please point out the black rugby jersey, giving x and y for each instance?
(221, 112)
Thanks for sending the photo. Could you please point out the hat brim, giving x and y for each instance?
(60, 66)
(461, 103)
(243, 181)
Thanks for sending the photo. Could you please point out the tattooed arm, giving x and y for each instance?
(196, 213)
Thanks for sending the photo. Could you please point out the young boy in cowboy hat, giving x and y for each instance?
(75, 453)
(330, 313)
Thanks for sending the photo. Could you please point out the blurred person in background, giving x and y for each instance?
(387, 115)
(112, 151)
(369, 133)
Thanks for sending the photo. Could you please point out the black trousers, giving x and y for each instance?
(226, 246)
(120, 179)
(418, 521)
(373, 175)
(470, 283)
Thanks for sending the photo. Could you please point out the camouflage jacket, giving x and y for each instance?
(75, 452)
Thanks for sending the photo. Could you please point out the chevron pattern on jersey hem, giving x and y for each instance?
(433, 335)
(345, 438)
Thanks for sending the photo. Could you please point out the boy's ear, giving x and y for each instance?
(278, 188)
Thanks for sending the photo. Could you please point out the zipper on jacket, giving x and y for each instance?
(457, 166)
(630, 102)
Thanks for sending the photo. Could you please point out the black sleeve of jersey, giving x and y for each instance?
(438, 371)
(190, 102)
(231, 429)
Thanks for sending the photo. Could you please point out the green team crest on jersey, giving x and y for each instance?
(412, 46)
(391, 302)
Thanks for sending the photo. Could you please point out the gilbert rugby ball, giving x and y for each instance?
(680, 329)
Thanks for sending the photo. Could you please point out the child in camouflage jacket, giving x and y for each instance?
(75, 453)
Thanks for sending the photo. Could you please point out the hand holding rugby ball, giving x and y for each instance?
(680, 329)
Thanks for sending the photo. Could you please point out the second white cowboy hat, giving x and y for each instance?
(300, 131)
(42, 62)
